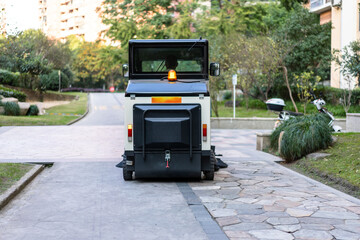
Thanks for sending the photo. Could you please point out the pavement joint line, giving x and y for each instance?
(54, 160)
(14, 190)
(207, 223)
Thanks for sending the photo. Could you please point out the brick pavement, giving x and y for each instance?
(256, 198)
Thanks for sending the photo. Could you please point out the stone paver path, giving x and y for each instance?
(256, 198)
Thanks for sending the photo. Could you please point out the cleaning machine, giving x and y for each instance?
(167, 110)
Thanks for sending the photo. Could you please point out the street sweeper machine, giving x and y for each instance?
(167, 110)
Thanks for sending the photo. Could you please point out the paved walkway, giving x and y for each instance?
(61, 144)
(256, 198)
(83, 195)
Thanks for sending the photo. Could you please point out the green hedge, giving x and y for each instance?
(302, 135)
(7, 77)
(8, 92)
(11, 109)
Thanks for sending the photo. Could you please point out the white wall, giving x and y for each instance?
(349, 19)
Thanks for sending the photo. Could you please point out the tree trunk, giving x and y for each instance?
(288, 86)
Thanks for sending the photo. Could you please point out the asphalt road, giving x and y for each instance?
(83, 196)
(105, 109)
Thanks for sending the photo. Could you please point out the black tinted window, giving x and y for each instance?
(161, 60)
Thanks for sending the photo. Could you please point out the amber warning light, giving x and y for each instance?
(172, 75)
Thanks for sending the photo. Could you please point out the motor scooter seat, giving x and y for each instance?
(294, 113)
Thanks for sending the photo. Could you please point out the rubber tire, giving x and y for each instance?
(127, 175)
(209, 175)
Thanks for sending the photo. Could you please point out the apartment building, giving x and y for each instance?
(62, 18)
(345, 18)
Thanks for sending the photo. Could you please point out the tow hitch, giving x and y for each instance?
(167, 158)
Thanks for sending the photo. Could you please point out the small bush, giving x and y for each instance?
(8, 92)
(7, 77)
(11, 109)
(33, 111)
(227, 95)
(302, 135)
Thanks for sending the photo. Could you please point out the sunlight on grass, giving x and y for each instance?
(75, 107)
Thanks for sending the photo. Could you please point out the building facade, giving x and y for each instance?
(345, 18)
(62, 18)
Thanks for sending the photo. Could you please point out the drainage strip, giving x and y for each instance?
(208, 224)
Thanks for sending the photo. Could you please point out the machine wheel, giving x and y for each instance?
(127, 174)
(209, 175)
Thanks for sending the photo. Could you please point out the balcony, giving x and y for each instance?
(320, 6)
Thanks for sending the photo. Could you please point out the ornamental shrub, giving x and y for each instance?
(8, 92)
(302, 135)
(7, 77)
(33, 111)
(12, 109)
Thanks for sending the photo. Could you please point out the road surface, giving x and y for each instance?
(83, 195)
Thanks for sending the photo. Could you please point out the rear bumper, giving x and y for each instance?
(152, 164)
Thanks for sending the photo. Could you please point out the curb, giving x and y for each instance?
(7, 196)
(84, 115)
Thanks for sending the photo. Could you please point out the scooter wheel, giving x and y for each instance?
(127, 175)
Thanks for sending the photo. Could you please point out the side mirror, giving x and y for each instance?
(214, 69)
(125, 70)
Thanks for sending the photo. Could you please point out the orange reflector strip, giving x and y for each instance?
(172, 75)
(166, 100)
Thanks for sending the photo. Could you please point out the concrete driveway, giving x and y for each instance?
(83, 195)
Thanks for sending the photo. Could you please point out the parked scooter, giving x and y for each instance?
(277, 105)
(319, 104)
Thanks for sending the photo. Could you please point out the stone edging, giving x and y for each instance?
(84, 115)
(9, 194)
(253, 123)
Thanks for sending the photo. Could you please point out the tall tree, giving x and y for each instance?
(291, 4)
(137, 18)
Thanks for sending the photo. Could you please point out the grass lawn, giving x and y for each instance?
(258, 109)
(75, 107)
(243, 113)
(10, 173)
(341, 169)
